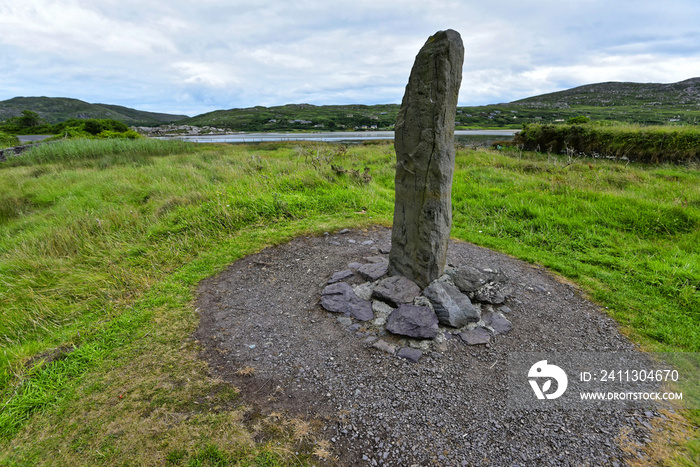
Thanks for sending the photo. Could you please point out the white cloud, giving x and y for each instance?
(213, 54)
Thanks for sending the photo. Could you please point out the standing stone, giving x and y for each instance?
(425, 159)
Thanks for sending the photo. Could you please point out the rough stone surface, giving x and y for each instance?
(413, 321)
(467, 279)
(497, 322)
(340, 275)
(340, 298)
(451, 306)
(410, 354)
(396, 290)
(492, 292)
(373, 271)
(476, 336)
(384, 346)
(425, 157)
(364, 291)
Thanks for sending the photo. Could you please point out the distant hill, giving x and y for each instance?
(684, 94)
(648, 103)
(59, 109)
(300, 117)
(645, 103)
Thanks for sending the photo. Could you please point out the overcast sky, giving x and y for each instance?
(190, 57)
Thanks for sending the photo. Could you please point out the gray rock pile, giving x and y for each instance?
(394, 315)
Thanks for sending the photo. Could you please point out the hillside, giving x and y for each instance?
(684, 94)
(300, 117)
(648, 103)
(59, 109)
(645, 103)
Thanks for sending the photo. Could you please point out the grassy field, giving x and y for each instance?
(102, 244)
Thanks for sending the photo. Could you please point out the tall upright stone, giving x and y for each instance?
(425, 159)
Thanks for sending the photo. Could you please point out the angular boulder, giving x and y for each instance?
(451, 306)
(396, 290)
(413, 321)
(496, 321)
(373, 271)
(468, 279)
(425, 159)
(476, 336)
(340, 298)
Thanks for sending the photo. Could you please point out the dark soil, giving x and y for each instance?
(450, 408)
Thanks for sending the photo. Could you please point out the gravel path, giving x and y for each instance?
(450, 408)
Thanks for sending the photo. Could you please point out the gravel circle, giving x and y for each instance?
(450, 408)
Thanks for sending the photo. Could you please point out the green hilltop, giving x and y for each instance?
(60, 109)
(644, 103)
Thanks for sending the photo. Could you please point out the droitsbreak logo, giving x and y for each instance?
(547, 373)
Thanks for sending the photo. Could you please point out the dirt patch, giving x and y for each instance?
(263, 330)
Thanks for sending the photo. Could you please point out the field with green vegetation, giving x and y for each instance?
(102, 243)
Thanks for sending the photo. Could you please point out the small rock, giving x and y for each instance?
(364, 291)
(396, 290)
(497, 322)
(376, 259)
(410, 354)
(345, 321)
(368, 242)
(505, 309)
(373, 271)
(354, 266)
(413, 321)
(467, 279)
(476, 336)
(451, 306)
(340, 298)
(381, 308)
(340, 275)
(379, 322)
(370, 340)
(493, 292)
(344, 231)
(384, 346)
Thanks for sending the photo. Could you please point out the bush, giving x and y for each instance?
(578, 120)
(657, 144)
(7, 141)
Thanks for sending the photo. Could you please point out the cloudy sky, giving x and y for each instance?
(190, 57)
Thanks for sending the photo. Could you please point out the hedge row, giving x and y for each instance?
(7, 140)
(654, 144)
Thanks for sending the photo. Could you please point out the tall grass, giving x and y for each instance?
(100, 252)
(99, 151)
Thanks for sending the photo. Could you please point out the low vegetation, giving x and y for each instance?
(653, 144)
(102, 243)
(7, 141)
(29, 123)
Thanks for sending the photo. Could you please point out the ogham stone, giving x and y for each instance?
(425, 159)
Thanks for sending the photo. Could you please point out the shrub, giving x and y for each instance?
(657, 144)
(7, 141)
(578, 120)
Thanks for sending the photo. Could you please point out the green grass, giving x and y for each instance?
(102, 244)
